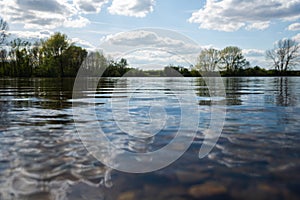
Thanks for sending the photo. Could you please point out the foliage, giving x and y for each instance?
(116, 69)
(97, 65)
(72, 60)
(55, 57)
(232, 59)
(52, 54)
(258, 71)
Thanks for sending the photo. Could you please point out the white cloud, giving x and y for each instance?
(84, 44)
(51, 14)
(33, 36)
(151, 39)
(258, 26)
(253, 52)
(30, 35)
(47, 14)
(151, 46)
(76, 23)
(133, 8)
(90, 6)
(154, 59)
(256, 57)
(294, 27)
(297, 38)
(232, 15)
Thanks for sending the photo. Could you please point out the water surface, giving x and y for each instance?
(256, 157)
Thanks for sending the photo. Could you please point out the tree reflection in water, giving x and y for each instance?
(285, 92)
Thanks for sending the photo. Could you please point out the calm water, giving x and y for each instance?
(256, 157)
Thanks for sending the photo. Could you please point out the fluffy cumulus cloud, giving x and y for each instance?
(153, 47)
(297, 38)
(30, 35)
(135, 8)
(151, 38)
(232, 15)
(294, 27)
(35, 36)
(85, 44)
(255, 56)
(253, 52)
(76, 22)
(90, 6)
(153, 59)
(37, 14)
(50, 14)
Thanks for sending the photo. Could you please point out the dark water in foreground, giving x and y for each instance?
(256, 157)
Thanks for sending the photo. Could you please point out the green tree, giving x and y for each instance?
(52, 54)
(122, 66)
(232, 59)
(73, 58)
(3, 60)
(195, 73)
(284, 55)
(208, 60)
(20, 55)
(116, 69)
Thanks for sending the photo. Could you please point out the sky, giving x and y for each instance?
(254, 26)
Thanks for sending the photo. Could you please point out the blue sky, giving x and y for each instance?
(253, 26)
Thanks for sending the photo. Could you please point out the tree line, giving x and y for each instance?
(59, 57)
(54, 57)
(230, 60)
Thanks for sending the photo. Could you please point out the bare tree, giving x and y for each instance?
(284, 55)
(3, 35)
(3, 31)
(208, 60)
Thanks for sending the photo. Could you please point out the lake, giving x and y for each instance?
(42, 156)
